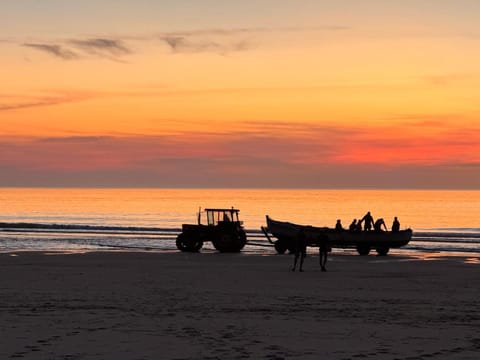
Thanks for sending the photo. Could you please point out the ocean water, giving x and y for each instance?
(112, 219)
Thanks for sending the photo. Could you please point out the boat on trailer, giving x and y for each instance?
(363, 241)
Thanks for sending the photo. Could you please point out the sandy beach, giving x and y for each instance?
(142, 305)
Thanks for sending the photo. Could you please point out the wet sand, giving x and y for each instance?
(236, 306)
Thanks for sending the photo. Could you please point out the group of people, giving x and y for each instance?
(323, 246)
(368, 224)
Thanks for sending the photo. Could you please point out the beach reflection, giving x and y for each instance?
(434, 256)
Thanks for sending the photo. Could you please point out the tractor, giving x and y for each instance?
(223, 229)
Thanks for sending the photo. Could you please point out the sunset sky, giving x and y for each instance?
(251, 93)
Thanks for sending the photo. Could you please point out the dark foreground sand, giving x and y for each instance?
(234, 306)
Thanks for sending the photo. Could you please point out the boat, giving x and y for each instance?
(363, 241)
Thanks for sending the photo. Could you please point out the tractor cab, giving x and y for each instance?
(220, 216)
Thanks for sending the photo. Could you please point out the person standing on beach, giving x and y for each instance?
(368, 219)
(395, 225)
(323, 249)
(300, 250)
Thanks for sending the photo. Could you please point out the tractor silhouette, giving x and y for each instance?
(223, 229)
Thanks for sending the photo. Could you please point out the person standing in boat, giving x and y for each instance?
(338, 225)
(300, 250)
(378, 225)
(395, 225)
(354, 226)
(368, 221)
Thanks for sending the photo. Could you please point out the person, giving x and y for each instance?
(353, 226)
(323, 249)
(378, 225)
(338, 225)
(359, 226)
(395, 225)
(300, 250)
(368, 221)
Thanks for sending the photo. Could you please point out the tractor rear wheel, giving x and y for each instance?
(230, 242)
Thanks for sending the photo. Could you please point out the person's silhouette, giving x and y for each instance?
(368, 221)
(323, 249)
(300, 249)
(378, 225)
(395, 225)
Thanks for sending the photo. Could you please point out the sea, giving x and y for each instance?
(444, 222)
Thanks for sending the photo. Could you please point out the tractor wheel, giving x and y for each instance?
(280, 246)
(382, 250)
(181, 242)
(363, 250)
(188, 243)
(230, 242)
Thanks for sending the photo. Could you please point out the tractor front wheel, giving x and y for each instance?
(188, 243)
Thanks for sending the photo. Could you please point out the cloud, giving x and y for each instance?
(74, 139)
(226, 40)
(233, 159)
(75, 49)
(184, 44)
(103, 47)
(214, 40)
(55, 50)
(253, 30)
(18, 102)
(296, 145)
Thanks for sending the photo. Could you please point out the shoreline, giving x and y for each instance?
(403, 254)
(150, 305)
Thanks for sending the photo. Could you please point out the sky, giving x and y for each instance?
(252, 93)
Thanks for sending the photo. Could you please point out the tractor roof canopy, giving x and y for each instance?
(216, 216)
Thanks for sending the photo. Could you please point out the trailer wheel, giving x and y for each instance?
(382, 250)
(363, 250)
(280, 246)
(291, 245)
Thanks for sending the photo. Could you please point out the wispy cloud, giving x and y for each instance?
(226, 40)
(74, 49)
(17, 102)
(102, 47)
(56, 50)
(184, 44)
(74, 139)
(253, 30)
(214, 40)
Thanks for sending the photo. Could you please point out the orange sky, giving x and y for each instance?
(325, 94)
